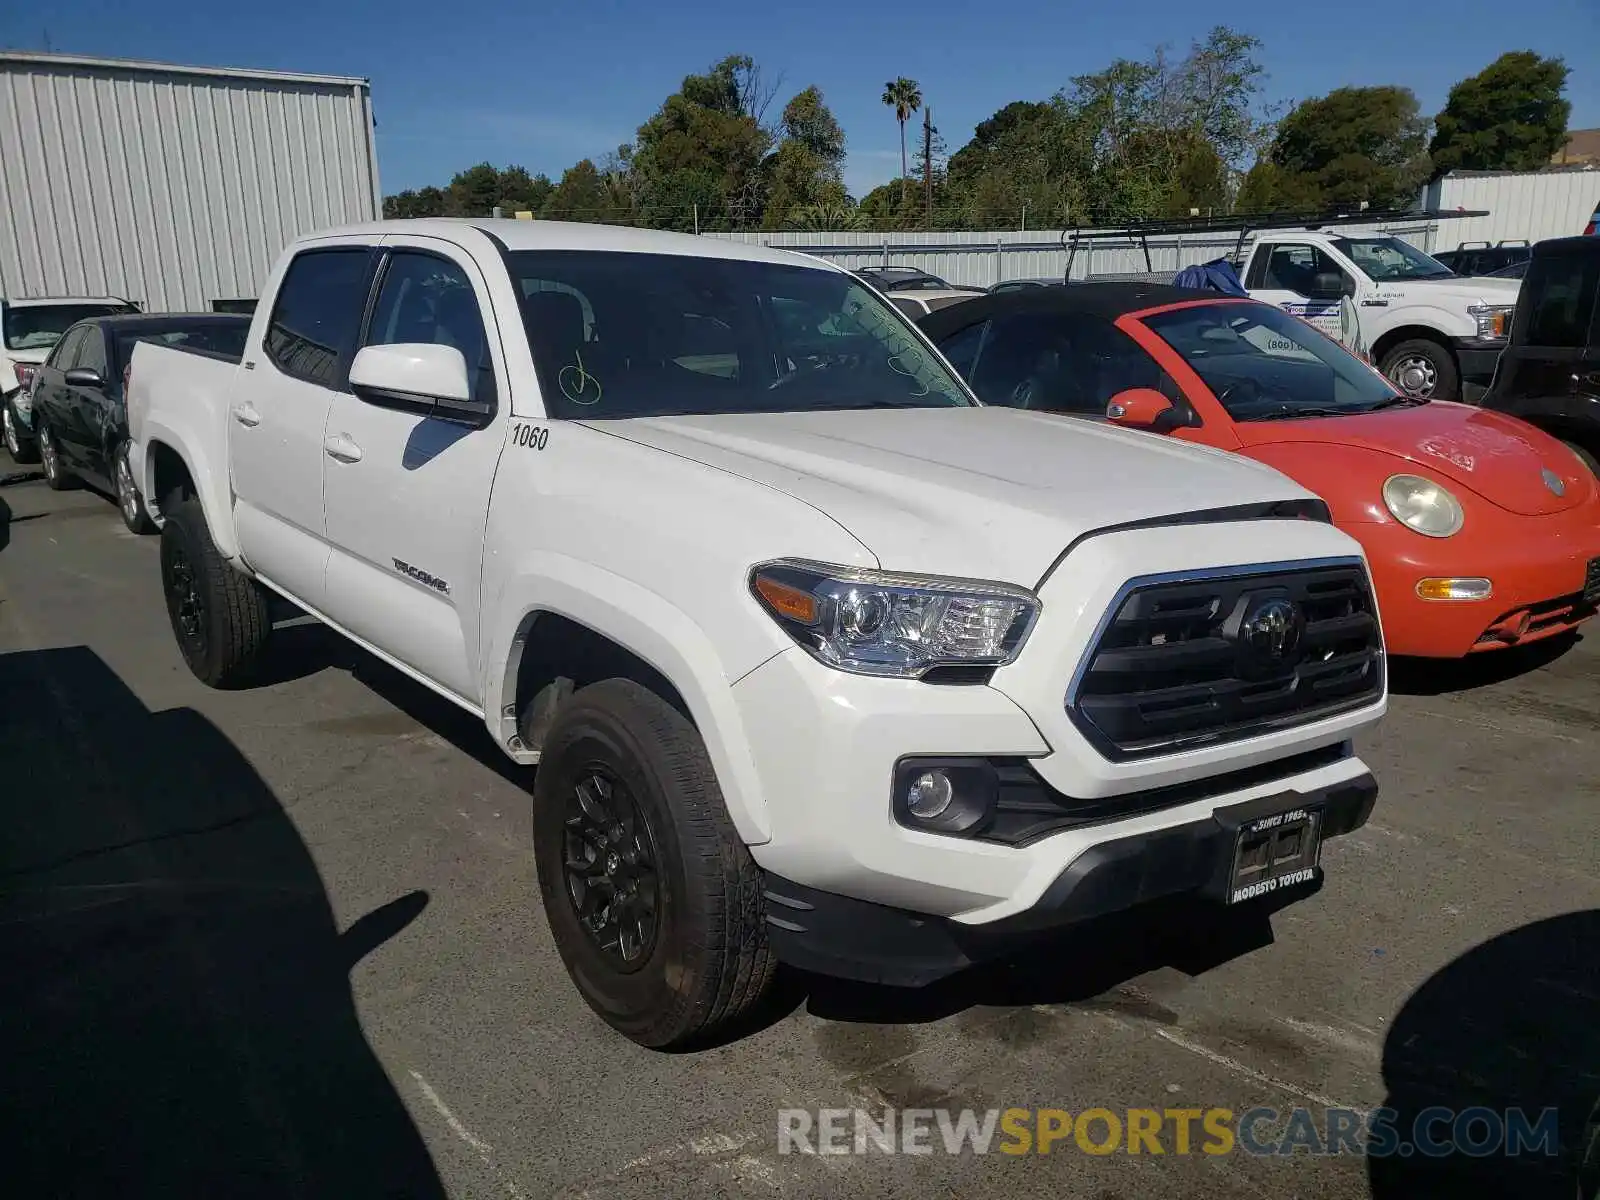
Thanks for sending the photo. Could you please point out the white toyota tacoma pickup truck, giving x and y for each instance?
(821, 660)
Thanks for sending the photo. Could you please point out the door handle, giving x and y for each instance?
(342, 449)
(246, 415)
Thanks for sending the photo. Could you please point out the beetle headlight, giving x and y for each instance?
(1421, 504)
(885, 623)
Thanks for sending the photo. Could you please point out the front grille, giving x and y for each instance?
(1199, 660)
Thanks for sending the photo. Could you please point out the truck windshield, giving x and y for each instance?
(1263, 364)
(1390, 258)
(40, 326)
(616, 334)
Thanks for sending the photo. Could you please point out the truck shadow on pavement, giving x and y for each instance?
(1092, 966)
(177, 1013)
(1513, 1023)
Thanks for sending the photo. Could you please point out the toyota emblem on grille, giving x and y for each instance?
(1554, 482)
(1270, 632)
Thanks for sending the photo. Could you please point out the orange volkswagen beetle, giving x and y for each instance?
(1481, 531)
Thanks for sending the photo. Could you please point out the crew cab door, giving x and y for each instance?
(407, 495)
(296, 362)
(1287, 273)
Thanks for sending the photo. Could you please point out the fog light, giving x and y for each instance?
(930, 795)
(1455, 589)
(945, 795)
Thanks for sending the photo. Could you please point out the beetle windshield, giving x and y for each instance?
(617, 334)
(1264, 364)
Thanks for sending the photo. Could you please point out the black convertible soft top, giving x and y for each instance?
(1106, 300)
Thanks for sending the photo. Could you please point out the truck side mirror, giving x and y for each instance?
(1327, 285)
(1142, 408)
(420, 377)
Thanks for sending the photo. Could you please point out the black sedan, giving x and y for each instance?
(79, 407)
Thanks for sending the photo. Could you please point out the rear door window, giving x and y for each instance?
(316, 316)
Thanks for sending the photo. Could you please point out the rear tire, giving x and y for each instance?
(1430, 366)
(219, 617)
(629, 823)
(55, 474)
(21, 449)
(129, 503)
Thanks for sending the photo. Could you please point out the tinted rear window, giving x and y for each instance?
(1558, 300)
(317, 313)
(214, 338)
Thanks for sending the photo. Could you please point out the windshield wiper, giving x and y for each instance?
(1396, 401)
(1289, 414)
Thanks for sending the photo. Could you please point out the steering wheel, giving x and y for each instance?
(1246, 391)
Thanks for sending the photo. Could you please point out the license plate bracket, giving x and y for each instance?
(1271, 847)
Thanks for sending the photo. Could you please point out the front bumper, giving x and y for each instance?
(1477, 358)
(825, 746)
(853, 939)
(1536, 564)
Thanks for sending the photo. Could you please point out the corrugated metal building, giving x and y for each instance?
(1521, 204)
(172, 186)
(981, 259)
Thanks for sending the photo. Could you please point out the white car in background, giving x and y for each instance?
(29, 330)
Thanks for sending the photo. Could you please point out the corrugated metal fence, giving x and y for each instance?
(983, 259)
(172, 186)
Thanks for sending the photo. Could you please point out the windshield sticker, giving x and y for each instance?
(577, 384)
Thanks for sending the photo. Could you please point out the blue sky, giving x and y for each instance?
(543, 85)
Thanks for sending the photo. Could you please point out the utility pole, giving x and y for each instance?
(927, 165)
(697, 218)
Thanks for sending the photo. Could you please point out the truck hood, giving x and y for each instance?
(986, 493)
(1466, 290)
(32, 357)
(1499, 458)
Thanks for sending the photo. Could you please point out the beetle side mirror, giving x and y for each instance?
(1142, 408)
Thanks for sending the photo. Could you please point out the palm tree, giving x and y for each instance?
(905, 97)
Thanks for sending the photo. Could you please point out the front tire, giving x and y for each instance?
(219, 616)
(129, 503)
(654, 903)
(1423, 368)
(56, 475)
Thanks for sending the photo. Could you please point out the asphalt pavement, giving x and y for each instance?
(286, 941)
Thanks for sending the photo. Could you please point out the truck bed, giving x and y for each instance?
(179, 397)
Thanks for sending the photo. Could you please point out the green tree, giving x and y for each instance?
(580, 196)
(423, 202)
(905, 97)
(806, 171)
(1510, 116)
(1356, 143)
(697, 158)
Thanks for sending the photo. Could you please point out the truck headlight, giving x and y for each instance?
(1494, 320)
(886, 623)
(1423, 505)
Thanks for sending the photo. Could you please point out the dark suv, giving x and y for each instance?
(1480, 258)
(1549, 372)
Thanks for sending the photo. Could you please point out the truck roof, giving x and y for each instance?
(578, 235)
